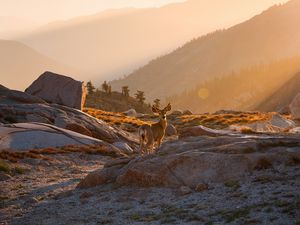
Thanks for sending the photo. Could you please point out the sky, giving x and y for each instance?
(19, 18)
(44, 11)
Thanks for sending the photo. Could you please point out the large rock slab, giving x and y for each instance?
(202, 131)
(28, 136)
(63, 117)
(200, 160)
(59, 89)
(8, 96)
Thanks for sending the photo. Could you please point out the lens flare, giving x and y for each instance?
(203, 93)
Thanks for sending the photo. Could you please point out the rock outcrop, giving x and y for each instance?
(276, 124)
(63, 117)
(171, 130)
(195, 161)
(176, 113)
(202, 131)
(131, 113)
(28, 136)
(187, 112)
(124, 147)
(59, 89)
(295, 107)
(8, 96)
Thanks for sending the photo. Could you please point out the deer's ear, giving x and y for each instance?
(168, 108)
(155, 110)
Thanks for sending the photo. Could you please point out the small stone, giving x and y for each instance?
(201, 187)
(130, 112)
(187, 112)
(64, 194)
(32, 201)
(85, 195)
(185, 190)
(4, 176)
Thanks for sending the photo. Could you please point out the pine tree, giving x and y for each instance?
(105, 87)
(157, 103)
(90, 88)
(140, 96)
(125, 91)
(109, 89)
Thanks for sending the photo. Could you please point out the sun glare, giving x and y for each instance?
(203, 93)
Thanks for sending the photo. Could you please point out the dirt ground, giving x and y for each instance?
(44, 192)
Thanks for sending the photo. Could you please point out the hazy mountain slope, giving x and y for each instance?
(242, 90)
(282, 97)
(114, 43)
(21, 65)
(11, 27)
(270, 36)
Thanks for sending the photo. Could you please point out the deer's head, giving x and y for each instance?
(162, 112)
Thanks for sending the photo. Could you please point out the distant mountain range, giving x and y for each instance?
(11, 27)
(20, 65)
(270, 36)
(253, 88)
(110, 44)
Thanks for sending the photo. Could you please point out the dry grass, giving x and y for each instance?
(16, 156)
(263, 163)
(46, 152)
(221, 121)
(210, 120)
(214, 121)
(114, 118)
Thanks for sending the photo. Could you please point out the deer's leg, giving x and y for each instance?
(158, 143)
(149, 147)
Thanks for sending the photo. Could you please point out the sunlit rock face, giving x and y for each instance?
(59, 89)
(27, 136)
(198, 160)
(275, 124)
(60, 116)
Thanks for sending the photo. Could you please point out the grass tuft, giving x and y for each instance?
(4, 167)
(232, 184)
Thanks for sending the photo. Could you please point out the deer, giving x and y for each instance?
(154, 133)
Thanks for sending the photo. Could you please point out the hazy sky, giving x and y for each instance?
(42, 11)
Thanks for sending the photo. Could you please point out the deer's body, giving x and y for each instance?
(154, 133)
